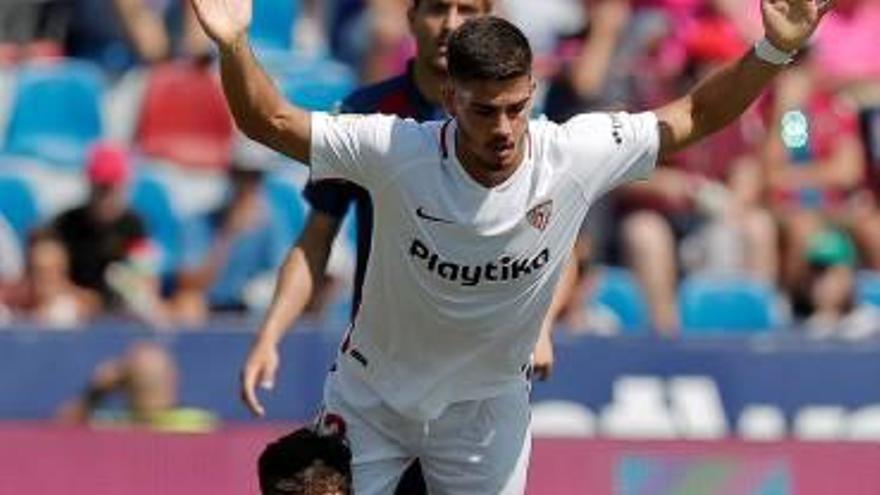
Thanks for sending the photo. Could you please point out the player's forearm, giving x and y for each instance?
(294, 289)
(714, 102)
(259, 109)
(292, 292)
(304, 265)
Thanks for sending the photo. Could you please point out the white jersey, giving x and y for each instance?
(460, 275)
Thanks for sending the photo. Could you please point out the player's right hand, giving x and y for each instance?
(225, 21)
(259, 368)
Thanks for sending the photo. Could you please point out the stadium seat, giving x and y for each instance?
(273, 23)
(619, 291)
(820, 423)
(56, 112)
(726, 304)
(639, 410)
(279, 62)
(18, 206)
(864, 424)
(697, 406)
(761, 422)
(320, 86)
(288, 209)
(184, 118)
(560, 418)
(868, 287)
(153, 203)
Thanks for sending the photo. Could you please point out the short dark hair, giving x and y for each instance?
(488, 48)
(305, 463)
(487, 4)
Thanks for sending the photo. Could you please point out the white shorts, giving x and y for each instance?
(474, 447)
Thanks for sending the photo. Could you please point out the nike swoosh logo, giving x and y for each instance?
(420, 212)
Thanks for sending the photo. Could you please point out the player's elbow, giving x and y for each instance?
(255, 127)
(258, 122)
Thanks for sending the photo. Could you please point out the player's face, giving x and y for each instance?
(493, 117)
(432, 21)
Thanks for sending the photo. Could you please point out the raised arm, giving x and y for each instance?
(260, 111)
(727, 93)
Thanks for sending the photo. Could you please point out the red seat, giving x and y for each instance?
(184, 118)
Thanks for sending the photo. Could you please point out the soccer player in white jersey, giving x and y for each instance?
(474, 218)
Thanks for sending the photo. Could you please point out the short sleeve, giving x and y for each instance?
(331, 197)
(351, 147)
(606, 150)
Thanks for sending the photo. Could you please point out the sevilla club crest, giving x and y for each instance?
(539, 216)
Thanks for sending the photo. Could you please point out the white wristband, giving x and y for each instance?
(765, 51)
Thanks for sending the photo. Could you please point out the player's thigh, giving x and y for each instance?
(480, 447)
(378, 458)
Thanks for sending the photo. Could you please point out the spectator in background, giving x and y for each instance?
(107, 243)
(580, 313)
(370, 35)
(120, 34)
(830, 292)
(147, 378)
(594, 79)
(845, 49)
(703, 209)
(46, 295)
(231, 248)
(816, 170)
(389, 45)
(846, 46)
(544, 23)
(11, 263)
(32, 28)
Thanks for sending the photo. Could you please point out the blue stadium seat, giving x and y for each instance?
(279, 62)
(320, 86)
(273, 22)
(726, 304)
(56, 112)
(350, 226)
(18, 206)
(153, 203)
(868, 287)
(620, 292)
(288, 210)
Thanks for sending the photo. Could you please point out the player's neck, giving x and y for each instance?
(429, 81)
(486, 174)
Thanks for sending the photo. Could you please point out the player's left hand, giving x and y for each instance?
(788, 24)
(542, 364)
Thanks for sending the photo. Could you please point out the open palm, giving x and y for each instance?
(225, 21)
(790, 23)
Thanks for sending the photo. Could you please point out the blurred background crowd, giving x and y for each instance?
(126, 191)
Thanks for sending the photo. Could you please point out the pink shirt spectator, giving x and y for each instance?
(846, 42)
